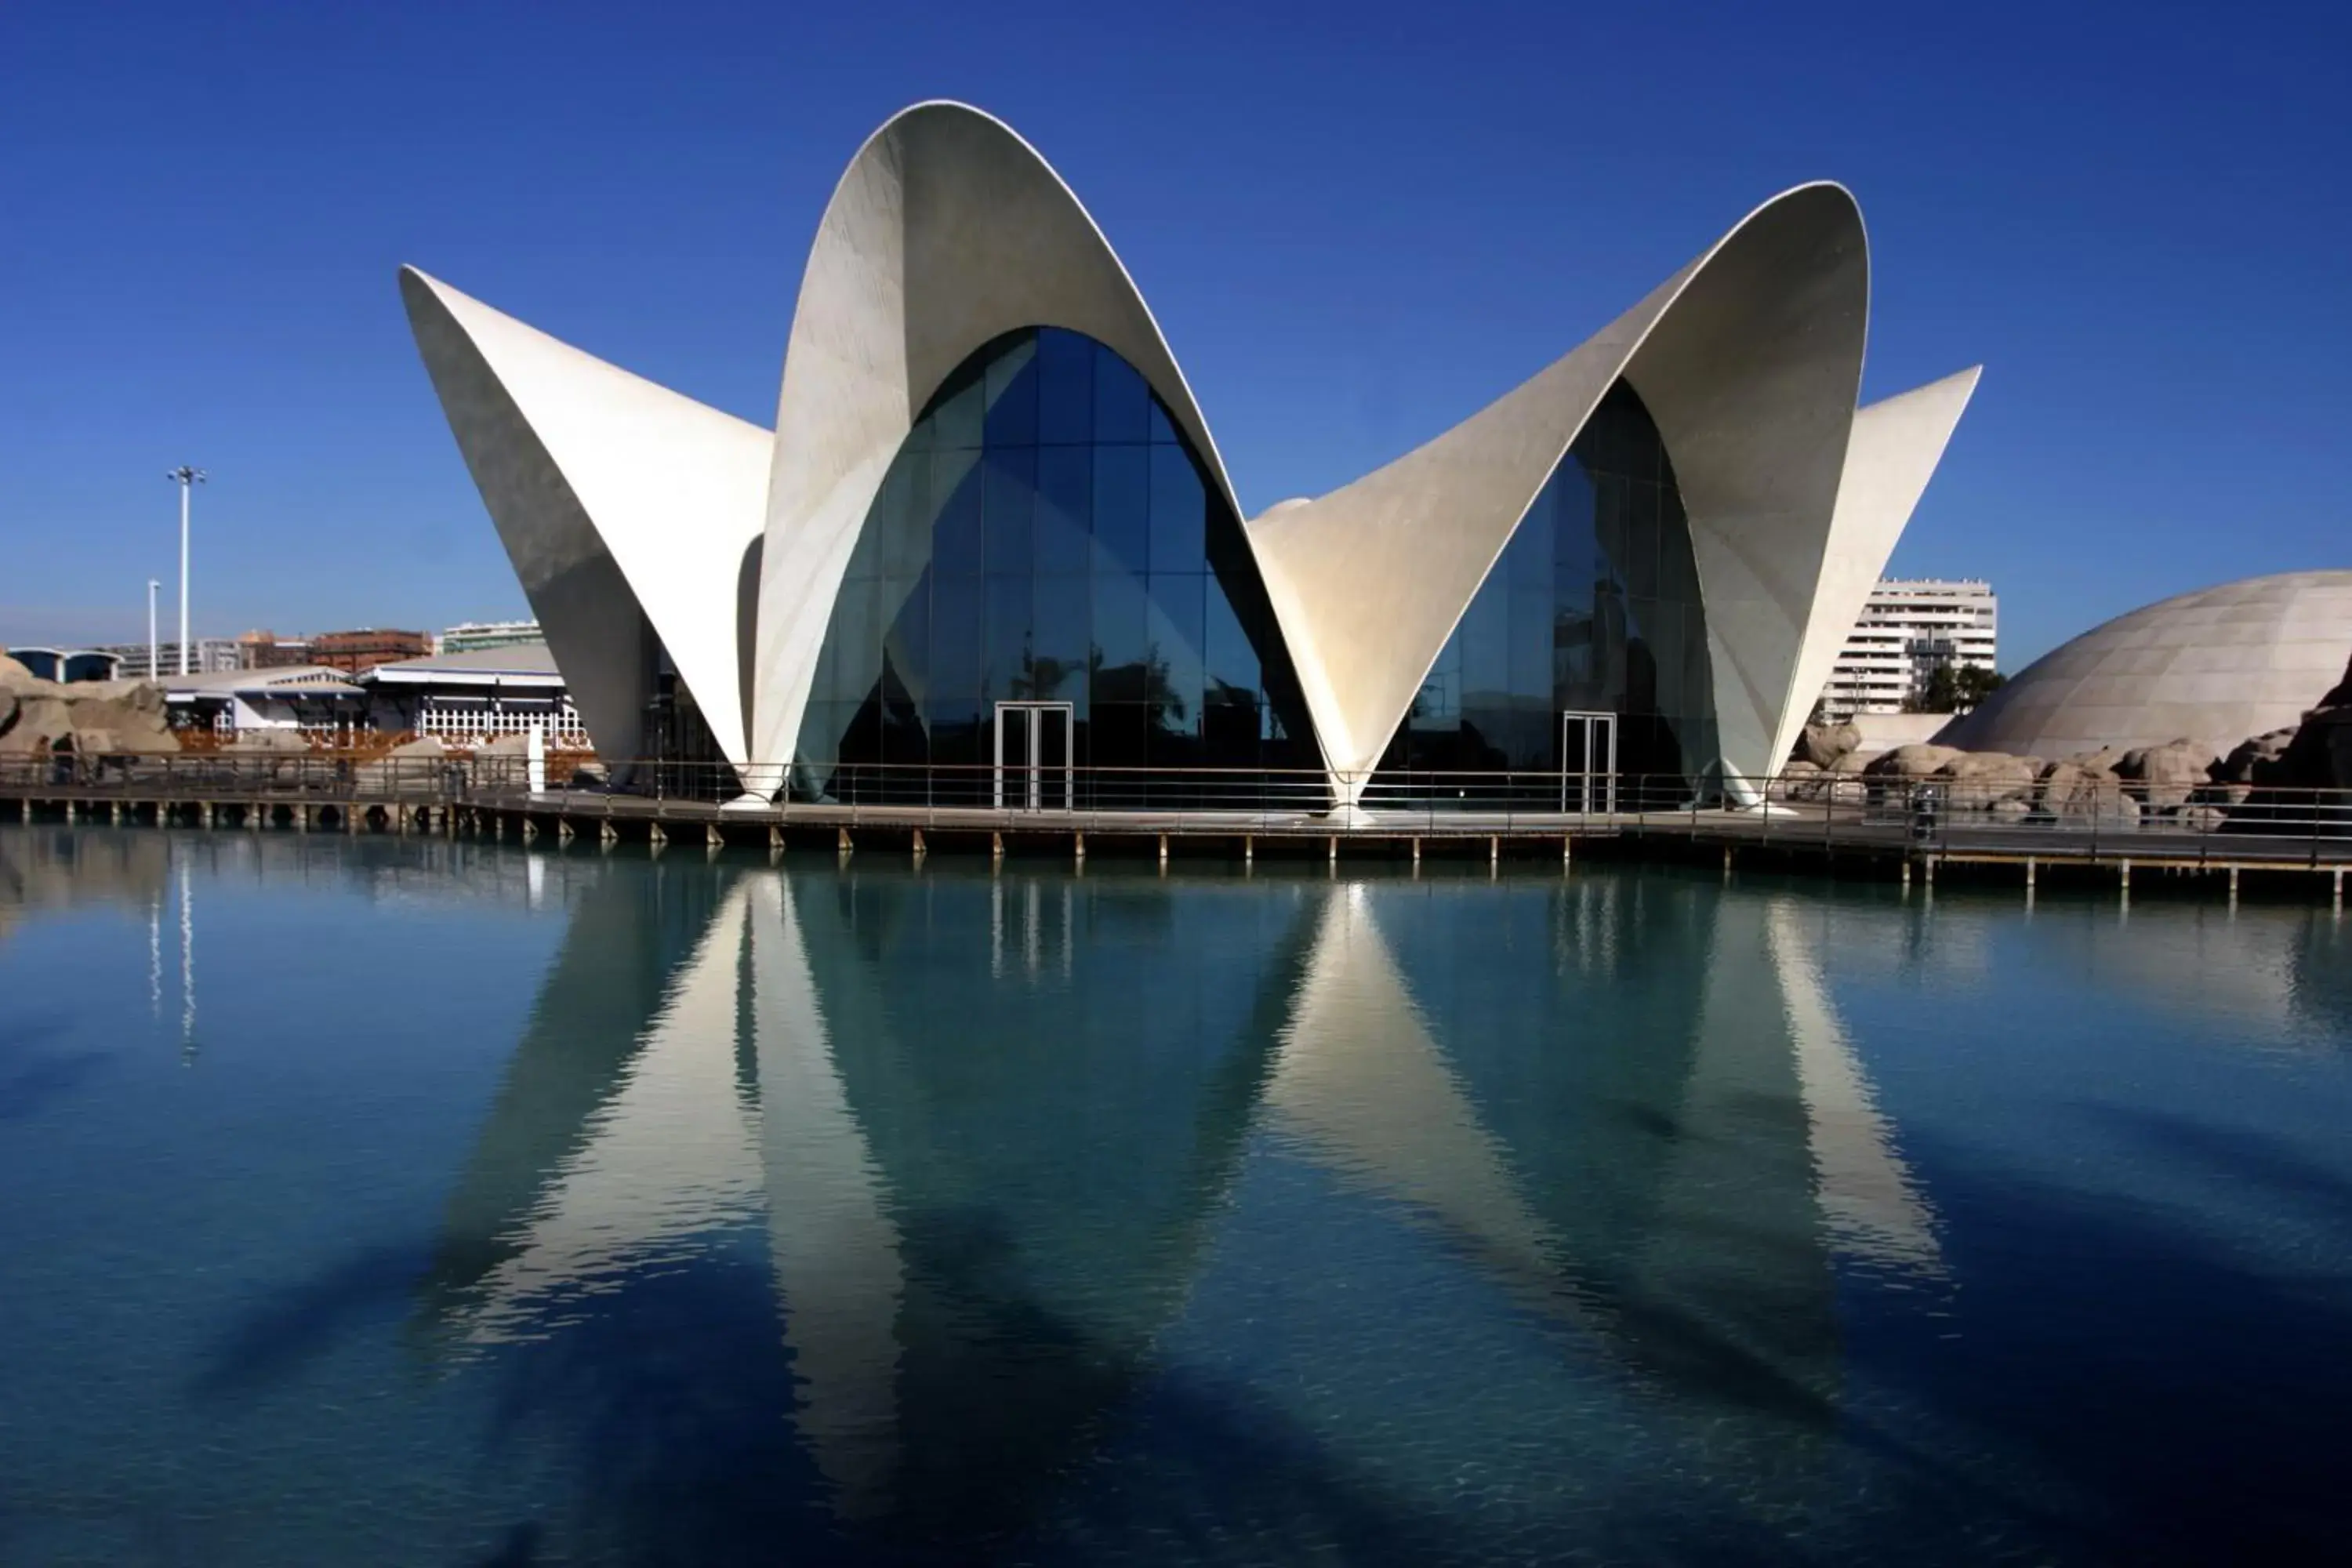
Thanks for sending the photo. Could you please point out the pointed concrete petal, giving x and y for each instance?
(1893, 451)
(620, 502)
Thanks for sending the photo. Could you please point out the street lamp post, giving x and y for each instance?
(154, 658)
(187, 479)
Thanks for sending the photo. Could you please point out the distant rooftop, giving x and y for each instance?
(523, 658)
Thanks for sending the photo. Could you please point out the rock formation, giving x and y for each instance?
(95, 717)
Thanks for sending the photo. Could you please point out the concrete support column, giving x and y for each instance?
(920, 850)
(1249, 851)
(1078, 848)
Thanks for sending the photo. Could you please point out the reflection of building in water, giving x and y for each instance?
(1672, 1165)
(48, 870)
(950, 1212)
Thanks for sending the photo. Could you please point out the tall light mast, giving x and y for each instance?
(187, 479)
(154, 658)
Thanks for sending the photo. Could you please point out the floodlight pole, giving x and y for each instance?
(186, 478)
(154, 657)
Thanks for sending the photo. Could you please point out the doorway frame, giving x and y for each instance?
(1030, 767)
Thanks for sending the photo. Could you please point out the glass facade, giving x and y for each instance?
(1047, 535)
(1593, 609)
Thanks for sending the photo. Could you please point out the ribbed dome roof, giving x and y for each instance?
(2215, 665)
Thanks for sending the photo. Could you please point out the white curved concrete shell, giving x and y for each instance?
(622, 506)
(947, 231)
(2216, 665)
(642, 522)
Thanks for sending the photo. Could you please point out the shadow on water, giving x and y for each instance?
(276, 1340)
(2185, 1403)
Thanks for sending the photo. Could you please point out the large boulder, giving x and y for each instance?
(1826, 745)
(1982, 780)
(119, 716)
(2295, 794)
(39, 721)
(2076, 795)
(15, 677)
(1800, 780)
(2164, 778)
(1918, 760)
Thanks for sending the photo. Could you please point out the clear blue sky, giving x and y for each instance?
(1356, 223)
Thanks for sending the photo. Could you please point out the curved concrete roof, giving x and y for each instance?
(620, 502)
(947, 230)
(1748, 360)
(624, 506)
(2216, 665)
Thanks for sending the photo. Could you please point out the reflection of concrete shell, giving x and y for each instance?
(2215, 665)
(948, 231)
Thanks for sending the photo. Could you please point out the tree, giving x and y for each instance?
(1954, 689)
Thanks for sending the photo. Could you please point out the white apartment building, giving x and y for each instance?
(1908, 627)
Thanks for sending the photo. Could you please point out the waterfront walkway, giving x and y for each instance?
(1890, 839)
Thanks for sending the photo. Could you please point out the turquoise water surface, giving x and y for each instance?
(413, 1202)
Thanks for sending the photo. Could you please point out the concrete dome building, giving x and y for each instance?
(2215, 665)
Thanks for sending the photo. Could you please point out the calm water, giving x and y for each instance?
(408, 1202)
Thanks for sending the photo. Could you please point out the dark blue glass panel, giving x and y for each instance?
(1062, 526)
(957, 737)
(1230, 663)
(1122, 508)
(1485, 649)
(1010, 383)
(1178, 513)
(956, 538)
(1527, 562)
(1609, 522)
(1042, 535)
(1122, 401)
(1007, 638)
(956, 419)
(1530, 629)
(1066, 388)
(902, 547)
(1011, 492)
(1176, 606)
(907, 645)
(956, 621)
(1115, 738)
(1121, 638)
(857, 654)
(1063, 640)
(1642, 539)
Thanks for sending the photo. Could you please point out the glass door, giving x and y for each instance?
(1033, 756)
(1587, 762)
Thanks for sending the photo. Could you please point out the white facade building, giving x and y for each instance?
(1908, 627)
(988, 550)
(477, 695)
